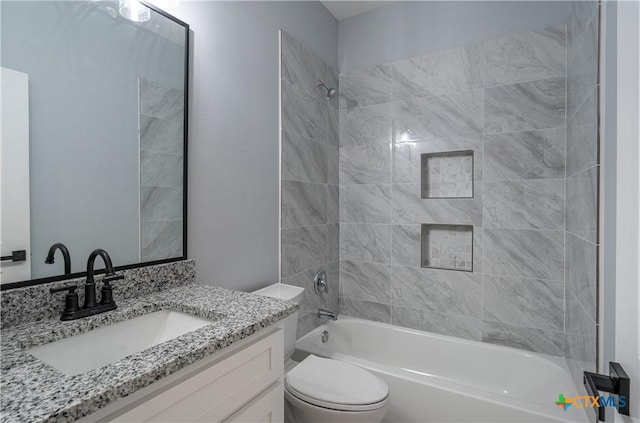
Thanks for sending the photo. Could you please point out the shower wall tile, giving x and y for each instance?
(535, 204)
(303, 204)
(581, 332)
(534, 303)
(436, 290)
(536, 154)
(524, 253)
(409, 207)
(161, 136)
(161, 240)
(526, 57)
(407, 156)
(160, 101)
(303, 114)
(443, 72)
(582, 204)
(301, 68)
(368, 310)
(365, 87)
(161, 170)
(582, 136)
(303, 159)
(365, 125)
(365, 281)
(366, 243)
(405, 246)
(333, 242)
(582, 72)
(333, 125)
(582, 270)
(303, 249)
(431, 321)
(530, 339)
(332, 203)
(579, 18)
(160, 204)
(441, 116)
(525, 106)
(365, 203)
(310, 301)
(333, 165)
(369, 164)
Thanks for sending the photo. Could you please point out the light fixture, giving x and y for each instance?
(134, 10)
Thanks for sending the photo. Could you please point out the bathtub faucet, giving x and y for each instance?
(326, 313)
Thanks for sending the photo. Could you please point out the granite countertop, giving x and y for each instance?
(33, 391)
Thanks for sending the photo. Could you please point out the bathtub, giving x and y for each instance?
(438, 378)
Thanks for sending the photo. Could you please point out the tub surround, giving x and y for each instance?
(34, 391)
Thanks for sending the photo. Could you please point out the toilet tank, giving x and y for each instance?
(285, 292)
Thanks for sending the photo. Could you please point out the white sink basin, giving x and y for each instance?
(96, 348)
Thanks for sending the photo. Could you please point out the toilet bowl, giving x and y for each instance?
(324, 390)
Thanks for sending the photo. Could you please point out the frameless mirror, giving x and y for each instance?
(93, 134)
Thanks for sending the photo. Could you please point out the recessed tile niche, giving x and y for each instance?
(447, 247)
(447, 175)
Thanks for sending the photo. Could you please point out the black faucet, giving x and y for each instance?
(90, 307)
(65, 255)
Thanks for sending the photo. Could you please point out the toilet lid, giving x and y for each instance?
(336, 382)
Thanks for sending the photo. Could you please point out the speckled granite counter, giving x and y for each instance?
(32, 391)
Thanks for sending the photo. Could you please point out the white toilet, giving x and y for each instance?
(323, 390)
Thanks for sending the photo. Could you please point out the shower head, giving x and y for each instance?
(330, 91)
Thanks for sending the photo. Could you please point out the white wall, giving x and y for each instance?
(412, 28)
(233, 132)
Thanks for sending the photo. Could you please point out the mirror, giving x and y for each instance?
(93, 135)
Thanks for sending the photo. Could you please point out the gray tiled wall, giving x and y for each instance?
(581, 321)
(309, 181)
(161, 171)
(504, 100)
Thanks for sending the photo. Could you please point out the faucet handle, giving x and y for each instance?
(107, 291)
(71, 299)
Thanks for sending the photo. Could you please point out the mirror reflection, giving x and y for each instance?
(93, 112)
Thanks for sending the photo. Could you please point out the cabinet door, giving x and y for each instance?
(268, 407)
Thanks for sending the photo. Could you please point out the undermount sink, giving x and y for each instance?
(96, 348)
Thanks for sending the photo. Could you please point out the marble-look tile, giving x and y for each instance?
(365, 281)
(303, 114)
(581, 334)
(303, 159)
(524, 253)
(365, 87)
(408, 207)
(582, 67)
(582, 136)
(300, 67)
(441, 116)
(444, 72)
(307, 323)
(365, 125)
(333, 242)
(365, 309)
(532, 303)
(310, 301)
(161, 136)
(447, 175)
(580, 16)
(582, 271)
(161, 170)
(303, 204)
(532, 204)
(161, 240)
(477, 249)
(364, 242)
(370, 164)
(536, 154)
(582, 204)
(525, 57)
(333, 80)
(160, 204)
(333, 125)
(442, 291)
(365, 203)
(332, 203)
(407, 156)
(525, 106)
(303, 248)
(405, 246)
(333, 165)
(160, 101)
(523, 338)
(431, 321)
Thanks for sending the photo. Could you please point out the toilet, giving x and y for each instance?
(324, 390)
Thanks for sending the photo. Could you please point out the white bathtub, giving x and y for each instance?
(437, 378)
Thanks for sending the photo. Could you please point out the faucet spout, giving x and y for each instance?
(326, 313)
(90, 285)
(65, 255)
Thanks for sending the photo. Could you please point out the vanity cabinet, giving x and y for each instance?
(241, 383)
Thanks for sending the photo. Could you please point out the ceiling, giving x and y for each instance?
(345, 9)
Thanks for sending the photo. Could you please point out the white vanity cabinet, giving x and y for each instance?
(241, 383)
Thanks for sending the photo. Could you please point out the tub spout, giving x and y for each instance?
(326, 313)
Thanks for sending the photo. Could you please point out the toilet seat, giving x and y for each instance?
(336, 385)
